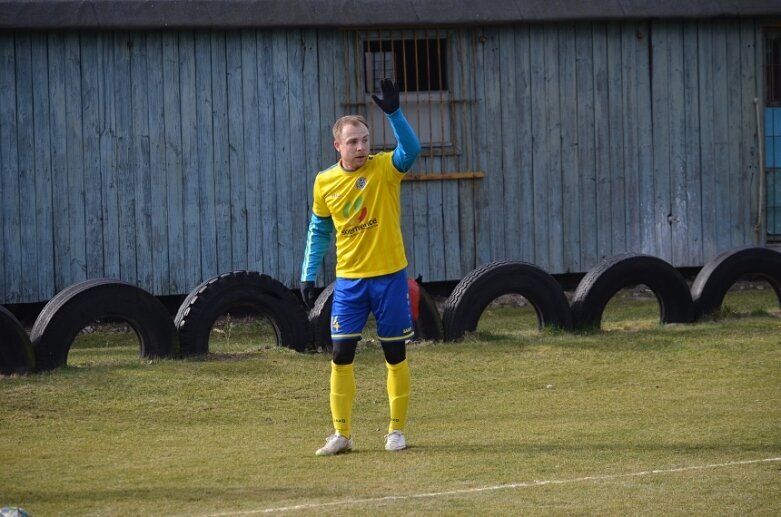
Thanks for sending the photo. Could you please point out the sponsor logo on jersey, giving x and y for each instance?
(354, 230)
(354, 209)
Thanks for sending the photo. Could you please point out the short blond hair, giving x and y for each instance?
(352, 120)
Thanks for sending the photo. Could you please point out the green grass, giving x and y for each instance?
(114, 435)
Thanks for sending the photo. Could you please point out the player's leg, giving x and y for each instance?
(350, 309)
(398, 385)
(390, 304)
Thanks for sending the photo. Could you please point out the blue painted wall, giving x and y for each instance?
(166, 157)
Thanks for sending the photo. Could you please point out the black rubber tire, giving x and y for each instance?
(77, 306)
(717, 276)
(490, 281)
(427, 327)
(612, 274)
(16, 352)
(320, 318)
(241, 289)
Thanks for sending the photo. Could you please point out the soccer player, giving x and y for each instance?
(359, 198)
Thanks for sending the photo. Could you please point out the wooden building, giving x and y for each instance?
(164, 142)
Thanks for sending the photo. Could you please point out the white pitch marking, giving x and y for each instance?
(526, 484)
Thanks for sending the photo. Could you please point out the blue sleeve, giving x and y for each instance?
(318, 238)
(408, 145)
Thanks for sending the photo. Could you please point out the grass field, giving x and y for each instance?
(636, 419)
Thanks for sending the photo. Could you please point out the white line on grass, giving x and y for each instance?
(462, 491)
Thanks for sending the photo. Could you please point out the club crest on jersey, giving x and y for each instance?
(360, 183)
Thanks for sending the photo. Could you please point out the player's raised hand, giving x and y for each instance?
(390, 96)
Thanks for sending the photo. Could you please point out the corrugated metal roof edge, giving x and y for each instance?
(157, 14)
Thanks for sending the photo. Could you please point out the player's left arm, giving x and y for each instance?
(407, 143)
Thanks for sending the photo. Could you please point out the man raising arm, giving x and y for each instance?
(359, 199)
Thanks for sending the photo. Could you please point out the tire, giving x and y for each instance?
(717, 276)
(246, 289)
(16, 352)
(615, 273)
(490, 281)
(428, 325)
(75, 307)
(320, 318)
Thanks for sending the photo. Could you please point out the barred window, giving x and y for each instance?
(418, 62)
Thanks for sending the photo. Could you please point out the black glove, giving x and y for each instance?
(390, 96)
(308, 294)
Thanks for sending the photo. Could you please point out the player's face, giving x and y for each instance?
(353, 146)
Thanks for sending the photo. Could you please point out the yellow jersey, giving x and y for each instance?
(365, 208)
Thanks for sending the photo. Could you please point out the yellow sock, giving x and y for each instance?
(398, 394)
(342, 395)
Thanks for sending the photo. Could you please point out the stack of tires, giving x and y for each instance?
(187, 334)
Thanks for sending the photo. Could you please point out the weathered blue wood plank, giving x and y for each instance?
(614, 192)
(157, 164)
(204, 101)
(522, 132)
(707, 144)
(331, 94)
(280, 217)
(463, 68)
(313, 129)
(540, 154)
(592, 142)
(628, 111)
(602, 106)
(419, 264)
(75, 158)
(9, 176)
(569, 89)
(269, 151)
(91, 168)
(122, 152)
(252, 153)
(661, 93)
(43, 173)
(139, 160)
(678, 167)
(6, 43)
(172, 106)
(482, 199)
(236, 151)
(295, 209)
(555, 208)
(108, 162)
(495, 209)
(26, 166)
(751, 62)
(436, 215)
(738, 195)
(508, 175)
(190, 161)
(644, 112)
(691, 150)
(221, 167)
(57, 118)
(721, 164)
(416, 211)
